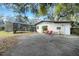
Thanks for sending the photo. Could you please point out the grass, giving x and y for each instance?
(5, 34)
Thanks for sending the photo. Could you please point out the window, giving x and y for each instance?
(58, 28)
(37, 27)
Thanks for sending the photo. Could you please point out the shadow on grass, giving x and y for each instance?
(20, 32)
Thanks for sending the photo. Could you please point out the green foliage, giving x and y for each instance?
(42, 9)
(58, 8)
(67, 10)
(22, 8)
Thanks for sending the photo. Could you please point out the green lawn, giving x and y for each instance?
(5, 34)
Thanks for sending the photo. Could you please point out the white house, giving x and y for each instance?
(58, 27)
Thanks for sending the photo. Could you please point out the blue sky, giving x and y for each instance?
(30, 15)
(6, 12)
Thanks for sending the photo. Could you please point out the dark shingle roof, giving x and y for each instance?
(55, 22)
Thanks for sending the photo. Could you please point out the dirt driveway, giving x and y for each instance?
(45, 45)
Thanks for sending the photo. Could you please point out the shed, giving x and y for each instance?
(10, 26)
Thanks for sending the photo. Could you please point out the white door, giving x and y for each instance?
(67, 30)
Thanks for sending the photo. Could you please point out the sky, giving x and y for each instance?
(6, 12)
(9, 13)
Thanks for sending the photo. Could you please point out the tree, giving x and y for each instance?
(66, 10)
(37, 9)
(19, 8)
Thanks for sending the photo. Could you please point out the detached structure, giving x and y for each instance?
(18, 26)
(58, 27)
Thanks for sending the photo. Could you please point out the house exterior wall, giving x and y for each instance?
(8, 26)
(65, 27)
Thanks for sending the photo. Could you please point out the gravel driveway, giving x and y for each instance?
(45, 45)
